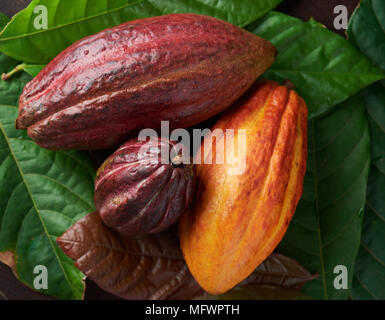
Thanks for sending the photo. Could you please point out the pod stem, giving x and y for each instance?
(177, 160)
(288, 84)
(18, 68)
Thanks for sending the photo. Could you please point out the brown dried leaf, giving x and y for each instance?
(281, 271)
(260, 292)
(152, 267)
(8, 258)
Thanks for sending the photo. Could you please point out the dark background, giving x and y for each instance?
(321, 10)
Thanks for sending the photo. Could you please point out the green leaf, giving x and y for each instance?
(367, 29)
(42, 193)
(33, 69)
(11, 89)
(325, 68)
(3, 20)
(239, 13)
(326, 228)
(369, 274)
(71, 20)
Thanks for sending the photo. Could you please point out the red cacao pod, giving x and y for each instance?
(182, 68)
(139, 190)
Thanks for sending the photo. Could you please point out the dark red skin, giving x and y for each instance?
(136, 194)
(184, 68)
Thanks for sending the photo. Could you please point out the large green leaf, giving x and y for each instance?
(33, 69)
(3, 20)
(325, 68)
(367, 29)
(326, 228)
(10, 89)
(369, 275)
(71, 20)
(42, 193)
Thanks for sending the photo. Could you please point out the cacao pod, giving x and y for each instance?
(139, 190)
(237, 221)
(182, 68)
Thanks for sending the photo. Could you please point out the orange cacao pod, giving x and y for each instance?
(237, 220)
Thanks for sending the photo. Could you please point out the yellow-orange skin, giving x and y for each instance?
(238, 220)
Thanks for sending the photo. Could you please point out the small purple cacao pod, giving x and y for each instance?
(143, 188)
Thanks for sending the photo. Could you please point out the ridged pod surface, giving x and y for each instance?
(140, 190)
(182, 68)
(237, 220)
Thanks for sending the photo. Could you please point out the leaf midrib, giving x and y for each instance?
(317, 211)
(62, 185)
(29, 34)
(149, 255)
(100, 245)
(36, 207)
(25, 35)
